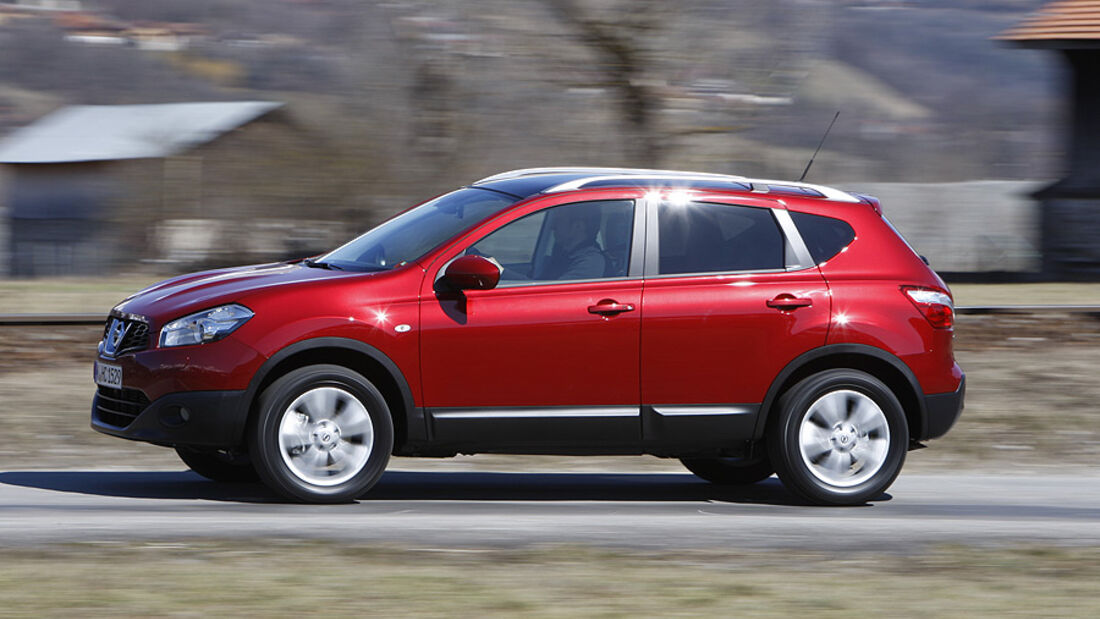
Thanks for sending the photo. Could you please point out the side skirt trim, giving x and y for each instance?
(694, 411)
(535, 413)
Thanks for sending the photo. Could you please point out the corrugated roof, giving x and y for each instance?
(1066, 20)
(108, 132)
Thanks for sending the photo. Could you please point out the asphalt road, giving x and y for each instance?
(634, 510)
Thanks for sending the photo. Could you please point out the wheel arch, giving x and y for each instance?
(877, 362)
(363, 358)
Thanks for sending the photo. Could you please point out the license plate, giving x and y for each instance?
(108, 375)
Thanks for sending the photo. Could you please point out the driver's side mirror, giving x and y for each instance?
(472, 273)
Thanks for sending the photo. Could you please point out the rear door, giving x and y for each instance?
(729, 300)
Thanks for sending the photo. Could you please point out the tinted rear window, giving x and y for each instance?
(710, 238)
(824, 236)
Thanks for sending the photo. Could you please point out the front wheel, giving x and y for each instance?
(323, 434)
(840, 438)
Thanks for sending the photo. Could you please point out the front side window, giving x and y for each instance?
(583, 241)
(711, 238)
(414, 233)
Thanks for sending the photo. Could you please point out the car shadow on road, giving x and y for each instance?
(489, 486)
(141, 485)
(421, 486)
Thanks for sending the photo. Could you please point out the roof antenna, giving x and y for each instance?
(807, 170)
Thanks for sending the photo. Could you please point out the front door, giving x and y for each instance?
(547, 360)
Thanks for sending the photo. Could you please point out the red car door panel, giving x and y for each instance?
(721, 339)
(531, 346)
(535, 365)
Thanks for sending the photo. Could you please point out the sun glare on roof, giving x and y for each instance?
(678, 197)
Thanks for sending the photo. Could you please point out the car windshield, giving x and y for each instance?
(414, 233)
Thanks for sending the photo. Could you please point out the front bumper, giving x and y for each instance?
(206, 418)
(941, 410)
(188, 395)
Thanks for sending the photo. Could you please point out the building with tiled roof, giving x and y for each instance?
(79, 179)
(1059, 25)
(1070, 208)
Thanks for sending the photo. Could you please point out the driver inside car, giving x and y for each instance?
(576, 254)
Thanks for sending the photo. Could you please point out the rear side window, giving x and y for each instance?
(712, 238)
(824, 236)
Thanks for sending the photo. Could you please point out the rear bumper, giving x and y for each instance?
(941, 411)
(206, 418)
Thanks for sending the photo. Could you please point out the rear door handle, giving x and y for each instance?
(610, 307)
(789, 302)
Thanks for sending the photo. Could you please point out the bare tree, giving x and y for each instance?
(619, 43)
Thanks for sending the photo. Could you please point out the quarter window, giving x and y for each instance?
(824, 236)
(708, 238)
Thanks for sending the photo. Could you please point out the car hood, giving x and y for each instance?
(194, 292)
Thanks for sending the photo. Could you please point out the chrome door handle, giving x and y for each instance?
(610, 307)
(789, 302)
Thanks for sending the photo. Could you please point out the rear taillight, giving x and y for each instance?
(936, 305)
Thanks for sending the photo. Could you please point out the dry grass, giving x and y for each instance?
(280, 578)
(47, 414)
(1026, 294)
(69, 295)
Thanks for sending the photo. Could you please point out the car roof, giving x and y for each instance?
(527, 182)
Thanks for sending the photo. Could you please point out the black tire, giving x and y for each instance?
(326, 463)
(218, 464)
(841, 400)
(731, 471)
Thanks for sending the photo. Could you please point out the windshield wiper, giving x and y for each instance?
(309, 262)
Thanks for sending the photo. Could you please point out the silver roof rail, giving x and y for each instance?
(581, 182)
(608, 174)
(830, 193)
(597, 171)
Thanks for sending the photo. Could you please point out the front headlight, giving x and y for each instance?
(208, 326)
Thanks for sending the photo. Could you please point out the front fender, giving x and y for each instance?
(413, 415)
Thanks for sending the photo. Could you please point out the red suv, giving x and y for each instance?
(744, 326)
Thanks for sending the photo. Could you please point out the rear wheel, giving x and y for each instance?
(323, 434)
(731, 471)
(840, 438)
(218, 464)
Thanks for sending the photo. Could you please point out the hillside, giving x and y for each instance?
(452, 86)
